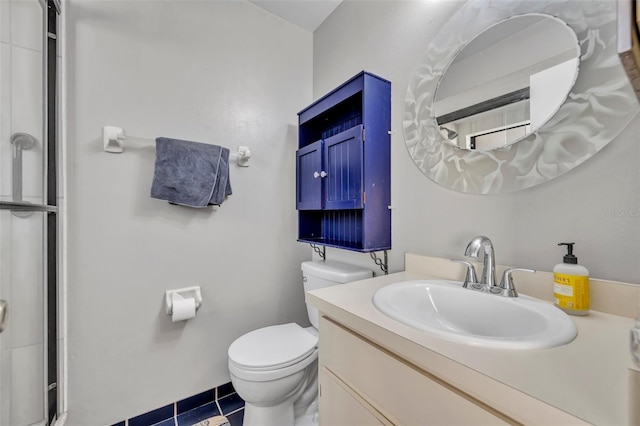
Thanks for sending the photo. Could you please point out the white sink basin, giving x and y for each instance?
(445, 309)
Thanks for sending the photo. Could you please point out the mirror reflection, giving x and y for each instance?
(506, 82)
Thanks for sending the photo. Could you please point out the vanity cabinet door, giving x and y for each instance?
(309, 177)
(401, 392)
(341, 406)
(343, 157)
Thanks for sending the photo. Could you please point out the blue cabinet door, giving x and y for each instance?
(309, 182)
(343, 159)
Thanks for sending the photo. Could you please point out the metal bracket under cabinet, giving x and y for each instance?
(322, 252)
(382, 263)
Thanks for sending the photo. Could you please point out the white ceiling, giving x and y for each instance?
(307, 14)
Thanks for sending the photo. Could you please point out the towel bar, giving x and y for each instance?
(113, 139)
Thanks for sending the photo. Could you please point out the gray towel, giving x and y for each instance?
(190, 173)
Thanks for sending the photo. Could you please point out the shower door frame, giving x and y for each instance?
(51, 188)
(51, 10)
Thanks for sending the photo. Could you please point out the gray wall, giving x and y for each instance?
(229, 73)
(219, 72)
(596, 205)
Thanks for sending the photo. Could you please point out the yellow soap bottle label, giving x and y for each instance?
(571, 291)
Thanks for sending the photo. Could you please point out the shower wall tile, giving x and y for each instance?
(27, 114)
(5, 270)
(5, 118)
(27, 292)
(5, 383)
(27, 374)
(21, 361)
(5, 21)
(21, 272)
(26, 24)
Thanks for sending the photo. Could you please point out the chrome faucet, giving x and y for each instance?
(488, 276)
(488, 281)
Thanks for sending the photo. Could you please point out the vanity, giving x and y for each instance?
(376, 370)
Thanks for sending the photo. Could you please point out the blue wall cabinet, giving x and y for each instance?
(309, 177)
(343, 185)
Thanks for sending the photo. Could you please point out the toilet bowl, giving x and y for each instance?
(270, 369)
(275, 369)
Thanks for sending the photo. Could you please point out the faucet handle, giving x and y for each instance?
(506, 285)
(471, 277)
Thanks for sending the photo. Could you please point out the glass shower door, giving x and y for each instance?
(28, 214)
(22, 342)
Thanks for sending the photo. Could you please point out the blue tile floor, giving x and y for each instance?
(190, 411)
(231, 406)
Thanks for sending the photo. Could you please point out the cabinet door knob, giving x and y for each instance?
(316, 175)
(323, 174)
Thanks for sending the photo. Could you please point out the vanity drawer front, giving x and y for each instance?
(402, 393)
(340, 405)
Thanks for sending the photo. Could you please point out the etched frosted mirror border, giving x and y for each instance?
(599, 106)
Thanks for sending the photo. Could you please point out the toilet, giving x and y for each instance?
(275, 369)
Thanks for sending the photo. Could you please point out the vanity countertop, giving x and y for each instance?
(587, 379)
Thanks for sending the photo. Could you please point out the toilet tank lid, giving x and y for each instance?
(336, 271)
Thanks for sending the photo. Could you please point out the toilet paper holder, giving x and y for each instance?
(185, 293)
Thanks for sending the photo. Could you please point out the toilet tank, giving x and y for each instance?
(327, 273)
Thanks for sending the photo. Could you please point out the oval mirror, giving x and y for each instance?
(600, 104)
(507, 82)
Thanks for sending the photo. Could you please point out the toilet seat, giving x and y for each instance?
(272, 348)
(274, 351)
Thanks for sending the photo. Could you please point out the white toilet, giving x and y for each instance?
(275, 369)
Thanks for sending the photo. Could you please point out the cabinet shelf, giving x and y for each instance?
(343, 167)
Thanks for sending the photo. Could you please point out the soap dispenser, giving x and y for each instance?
(571, 284)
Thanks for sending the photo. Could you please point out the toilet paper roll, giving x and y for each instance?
(183, 309)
